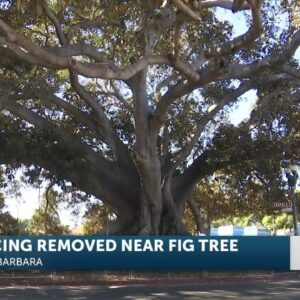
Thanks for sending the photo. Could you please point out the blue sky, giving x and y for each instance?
(243, 107)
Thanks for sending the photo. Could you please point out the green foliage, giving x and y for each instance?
(279, 221)
(45, 220)
(223, 196)
(23, 226)
(8, 224)
(241, 221)
(282, 221)
(97, 219)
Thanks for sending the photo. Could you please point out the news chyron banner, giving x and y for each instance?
(149, 253)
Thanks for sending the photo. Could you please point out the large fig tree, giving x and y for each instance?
(121, 98)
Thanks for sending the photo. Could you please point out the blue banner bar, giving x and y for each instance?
(146, 253)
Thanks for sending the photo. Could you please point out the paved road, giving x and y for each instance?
(289, 289)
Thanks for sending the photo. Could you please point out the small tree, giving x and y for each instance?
(8, 224)
(96, 219)
(45, 219)
(282, 221)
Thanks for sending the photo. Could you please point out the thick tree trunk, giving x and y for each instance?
(158, 213)
(149, 169)
(146, 159)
